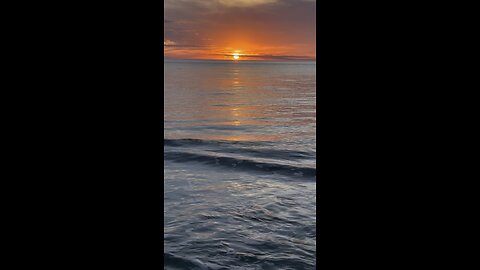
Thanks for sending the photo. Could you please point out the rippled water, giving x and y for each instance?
(239, 165)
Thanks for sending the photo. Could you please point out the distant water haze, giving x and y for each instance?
(225, 100)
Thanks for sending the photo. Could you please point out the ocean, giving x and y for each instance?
(240, 165)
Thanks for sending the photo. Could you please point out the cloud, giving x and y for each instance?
(210, 5)
(245, 3)
(216, 3)
(169, 43)
(276, 57)
(173, 44)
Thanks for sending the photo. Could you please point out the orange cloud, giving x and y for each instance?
(169, 43)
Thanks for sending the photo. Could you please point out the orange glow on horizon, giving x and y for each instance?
(252, 52)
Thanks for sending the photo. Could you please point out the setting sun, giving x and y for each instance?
(236, 56)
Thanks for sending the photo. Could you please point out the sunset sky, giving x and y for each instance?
(240, 29)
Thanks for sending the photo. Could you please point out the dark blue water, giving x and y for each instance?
(239, 165)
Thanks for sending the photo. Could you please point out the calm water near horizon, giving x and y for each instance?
(239, 149)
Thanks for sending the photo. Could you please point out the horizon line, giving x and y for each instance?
(250, 60)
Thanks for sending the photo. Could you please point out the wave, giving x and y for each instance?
(198, 142)
(176, 262)
(239, 147)
(242, 164)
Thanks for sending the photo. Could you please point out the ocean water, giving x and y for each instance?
(239, 149)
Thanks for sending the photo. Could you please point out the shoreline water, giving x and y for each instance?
(240, 149)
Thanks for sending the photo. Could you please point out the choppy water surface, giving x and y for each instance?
(239, 165)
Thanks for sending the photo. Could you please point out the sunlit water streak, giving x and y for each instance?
(239, 165)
